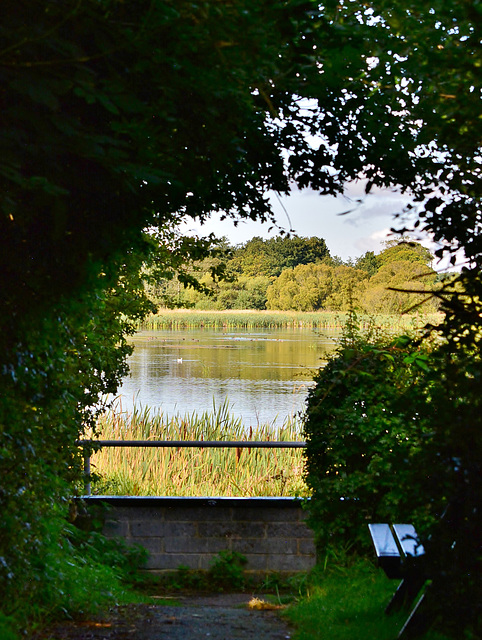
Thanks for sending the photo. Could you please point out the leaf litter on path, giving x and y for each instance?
(214, 617)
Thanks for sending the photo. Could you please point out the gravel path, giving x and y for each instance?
(217, 617)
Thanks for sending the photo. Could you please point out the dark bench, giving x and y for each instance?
(402, 557)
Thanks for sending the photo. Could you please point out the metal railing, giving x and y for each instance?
(176, 444)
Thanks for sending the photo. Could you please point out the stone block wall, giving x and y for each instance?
(270, 532)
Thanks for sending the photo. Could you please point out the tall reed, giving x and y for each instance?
(234, 319)
(196, 471)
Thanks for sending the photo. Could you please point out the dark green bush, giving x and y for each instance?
(75, 573)
(364, 429)
(391, 431)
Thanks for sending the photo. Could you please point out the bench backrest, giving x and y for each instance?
(398, 540)
(407, 538)
(383, 541)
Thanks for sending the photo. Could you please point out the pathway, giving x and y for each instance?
(214, 617)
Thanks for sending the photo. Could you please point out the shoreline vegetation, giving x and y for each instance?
(256, 319)
(216, 472)
(210, 472)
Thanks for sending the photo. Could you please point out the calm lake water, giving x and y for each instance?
(264, 375)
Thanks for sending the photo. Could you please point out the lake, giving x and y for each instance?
(264, 375)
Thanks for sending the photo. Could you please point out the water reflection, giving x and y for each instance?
(264, 374)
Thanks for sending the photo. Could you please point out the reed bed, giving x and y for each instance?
(196, 471)
(247, 319)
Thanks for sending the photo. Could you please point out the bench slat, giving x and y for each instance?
(407, 537)
(383, 541)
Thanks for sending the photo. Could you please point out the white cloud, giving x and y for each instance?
(365, 228)
(373, 242)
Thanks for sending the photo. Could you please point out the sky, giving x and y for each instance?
(365, 228)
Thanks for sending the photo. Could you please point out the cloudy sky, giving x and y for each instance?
(364, 228)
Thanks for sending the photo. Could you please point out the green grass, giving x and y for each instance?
(196, 471)
(247, 319)
(80, 574)
(347, 603)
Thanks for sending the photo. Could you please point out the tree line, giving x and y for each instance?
(296, 273)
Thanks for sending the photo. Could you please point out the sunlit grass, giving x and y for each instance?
(143, 471)
(347, 601)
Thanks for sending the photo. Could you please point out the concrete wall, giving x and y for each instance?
(270, 532)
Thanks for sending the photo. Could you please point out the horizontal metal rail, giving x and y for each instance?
(176, 444)
(213, 444)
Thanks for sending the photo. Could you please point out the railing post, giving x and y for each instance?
(88, 486)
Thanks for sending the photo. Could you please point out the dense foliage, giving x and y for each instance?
(119, 116)
(116, 116)
(51, 388)
(299, 274)
(311, 287)
(381, 447)
(367, 420)
(269, 258)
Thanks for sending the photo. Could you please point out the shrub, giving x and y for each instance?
(364, 428)
(392, 431)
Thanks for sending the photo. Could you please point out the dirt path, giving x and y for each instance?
(217, 617)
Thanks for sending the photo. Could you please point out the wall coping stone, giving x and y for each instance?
(175, 501)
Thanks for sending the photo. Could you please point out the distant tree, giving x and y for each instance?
(348, 289)
(253, 293)
(270, 257)
(388, 291)
(303, 288)
(368, 262)
(179, 264)
(402, 267)
(249, 259)
(337, 261)
(407, 250)
(312, 287)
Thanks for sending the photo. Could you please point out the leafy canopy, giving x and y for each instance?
(269, 258)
